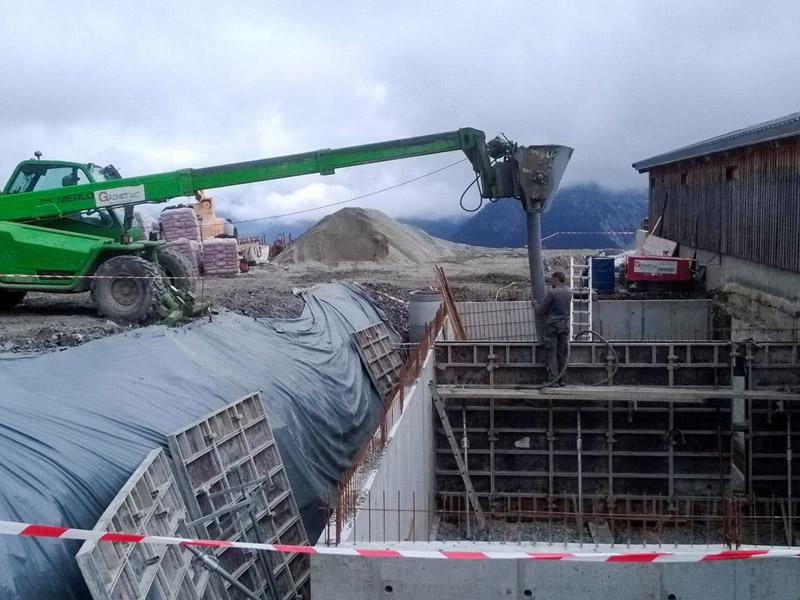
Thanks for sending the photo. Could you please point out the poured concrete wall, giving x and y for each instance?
(358, 578)
(644, 320)
(629, 320)
(760, 295)
(512, 321)
(405, 476)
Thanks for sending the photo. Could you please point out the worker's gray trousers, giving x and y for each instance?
(556, 344)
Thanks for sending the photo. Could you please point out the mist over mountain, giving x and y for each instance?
(580, 216)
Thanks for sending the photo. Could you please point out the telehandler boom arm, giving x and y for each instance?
(31, 206)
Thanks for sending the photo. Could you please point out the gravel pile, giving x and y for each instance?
(367, 235)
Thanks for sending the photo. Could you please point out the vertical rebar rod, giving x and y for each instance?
(465, 446)
(399, 514)
(578, 445)
(269, 565)
(790, 533)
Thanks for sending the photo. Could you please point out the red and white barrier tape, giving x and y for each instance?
(58, 277)
(63, 533)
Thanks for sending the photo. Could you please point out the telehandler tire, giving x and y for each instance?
(128, 289)
(9, 299)
(179, 270)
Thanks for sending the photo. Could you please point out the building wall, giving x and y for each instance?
(744, 203)
(653, 319)
(358, 578)
(404, 478)
(614, 319)
(761, 296)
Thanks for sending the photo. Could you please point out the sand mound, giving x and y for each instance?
(367, 235)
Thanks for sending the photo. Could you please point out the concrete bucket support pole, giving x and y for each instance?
(539, 171)
(535, 266)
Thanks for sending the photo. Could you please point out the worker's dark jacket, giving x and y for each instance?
(555, 306)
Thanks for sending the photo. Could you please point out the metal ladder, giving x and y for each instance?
(580, 282)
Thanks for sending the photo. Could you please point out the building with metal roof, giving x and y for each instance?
(733, 202)
(775, 129)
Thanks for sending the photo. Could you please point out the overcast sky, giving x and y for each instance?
(157, 86)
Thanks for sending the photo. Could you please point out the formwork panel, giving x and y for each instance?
(148, 504)
(636, 363)
(380, 358)
(234, 484)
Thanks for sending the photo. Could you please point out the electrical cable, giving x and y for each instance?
(480, 200)
(376, 192)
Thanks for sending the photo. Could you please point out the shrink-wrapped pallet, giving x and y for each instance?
(221, 257)
(179, 223)
(193, 251)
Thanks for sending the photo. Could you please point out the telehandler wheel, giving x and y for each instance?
(9, 299)
(179, 270)
(128, 289)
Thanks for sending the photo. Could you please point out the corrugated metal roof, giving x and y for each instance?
(782, 127)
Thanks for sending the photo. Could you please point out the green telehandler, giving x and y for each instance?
(69, 227)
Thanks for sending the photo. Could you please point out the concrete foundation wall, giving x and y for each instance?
(358, 578)
(405, 476)
(758, 294)
(643, 320)
(501, 320)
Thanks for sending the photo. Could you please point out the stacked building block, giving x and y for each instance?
(179, 223)
(221, 257)
(193, 251)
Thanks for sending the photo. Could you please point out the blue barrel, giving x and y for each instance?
(603, 273)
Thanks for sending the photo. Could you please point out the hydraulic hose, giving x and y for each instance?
(566, 364)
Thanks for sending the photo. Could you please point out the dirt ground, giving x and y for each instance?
(52, 322)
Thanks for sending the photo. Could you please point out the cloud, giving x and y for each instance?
(153, 86)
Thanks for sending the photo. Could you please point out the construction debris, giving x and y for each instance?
(450, 303)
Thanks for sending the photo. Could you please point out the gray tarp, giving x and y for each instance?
(74, 425)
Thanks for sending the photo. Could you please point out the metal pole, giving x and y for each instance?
(465, 446)
(212, 566)
(265, 556)
(789, 472)
(534, 218)
(579, 447)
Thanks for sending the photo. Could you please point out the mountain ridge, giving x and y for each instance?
(592, 215)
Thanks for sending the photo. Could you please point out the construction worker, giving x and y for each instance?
(555, 308)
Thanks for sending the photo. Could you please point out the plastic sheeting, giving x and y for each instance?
(74, 425)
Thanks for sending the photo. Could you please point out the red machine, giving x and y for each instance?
(647, 269)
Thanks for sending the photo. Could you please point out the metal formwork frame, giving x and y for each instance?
(235, 486)
(381, 359)
(148, 504)
(671, 364)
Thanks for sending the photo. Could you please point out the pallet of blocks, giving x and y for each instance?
(179, 223)
(221, 257)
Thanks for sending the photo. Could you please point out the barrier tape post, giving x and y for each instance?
(14, 528)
